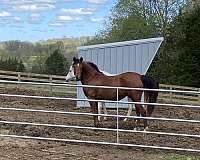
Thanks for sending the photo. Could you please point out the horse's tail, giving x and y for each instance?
(150, 83)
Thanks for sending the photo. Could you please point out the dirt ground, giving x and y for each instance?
(51, 150)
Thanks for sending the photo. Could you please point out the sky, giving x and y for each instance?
(34, 20)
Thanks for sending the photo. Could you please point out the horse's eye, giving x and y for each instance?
(70, 70)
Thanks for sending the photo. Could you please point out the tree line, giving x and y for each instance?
(56, 64)
(44, 57)
(12, 64)
(178, 21)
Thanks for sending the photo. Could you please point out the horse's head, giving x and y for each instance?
(77, 66)
(70, 75)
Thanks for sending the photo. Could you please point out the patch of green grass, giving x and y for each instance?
(181, 157)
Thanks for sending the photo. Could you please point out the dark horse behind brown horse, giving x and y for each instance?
(89, 74)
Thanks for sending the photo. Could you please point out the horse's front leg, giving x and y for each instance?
(129, 111)
(94, 107)
(141, 111)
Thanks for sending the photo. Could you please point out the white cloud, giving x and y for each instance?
(33, 7)
(78, 18)
(39, 30)
(97, 19)
(97, 1)
(34, 17)
(18, 2)
(5, 14)
(56, 24)
(79, 11)
(66, 18)
(17, 19)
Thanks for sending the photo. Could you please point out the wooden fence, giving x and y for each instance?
(22, 76)
(182, 98)
(185, 98)
(41, 78)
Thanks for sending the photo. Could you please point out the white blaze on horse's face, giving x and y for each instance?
(77, 70)
(77, 66)
(70, 74)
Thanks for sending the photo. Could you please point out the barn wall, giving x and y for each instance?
(115, 58)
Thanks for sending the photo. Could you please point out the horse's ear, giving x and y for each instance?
(81, 59)
(74, 59)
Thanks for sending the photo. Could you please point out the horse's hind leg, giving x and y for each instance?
(94, 107)
(99, 110)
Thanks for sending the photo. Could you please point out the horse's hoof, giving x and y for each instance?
(135, 129)
(98, 125)
(146, 129)
(125, 119)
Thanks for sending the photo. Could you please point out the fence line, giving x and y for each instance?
(117, 130)
(176, 97)
(105, 101)
(20, 76)
(102, 143)
(105, 87)
(106, 115)
(101, 129)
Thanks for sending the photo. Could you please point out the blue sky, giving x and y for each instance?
(33, 20)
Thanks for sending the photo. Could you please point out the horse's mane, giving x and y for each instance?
(94, 66)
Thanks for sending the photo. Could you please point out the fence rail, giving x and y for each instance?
(21, 76)
(44, 78)
(180, 97)
(39, 78)
(116, 130)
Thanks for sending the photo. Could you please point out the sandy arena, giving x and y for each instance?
(12, 149)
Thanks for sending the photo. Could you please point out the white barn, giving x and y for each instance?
(115, 58)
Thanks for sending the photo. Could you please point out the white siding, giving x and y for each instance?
(120, 57)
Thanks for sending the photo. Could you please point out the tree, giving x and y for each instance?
(56, 63)
(136, 19)
(12, 64)
(20, 66)
(158, 13)
(179, 60)
(187, 68)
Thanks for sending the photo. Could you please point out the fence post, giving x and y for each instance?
(117, 115)
(170, 94)
(199, 95)
(50, 81)
(19, 79)
(29, 75)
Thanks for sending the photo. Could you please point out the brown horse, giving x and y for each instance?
(90, 75)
